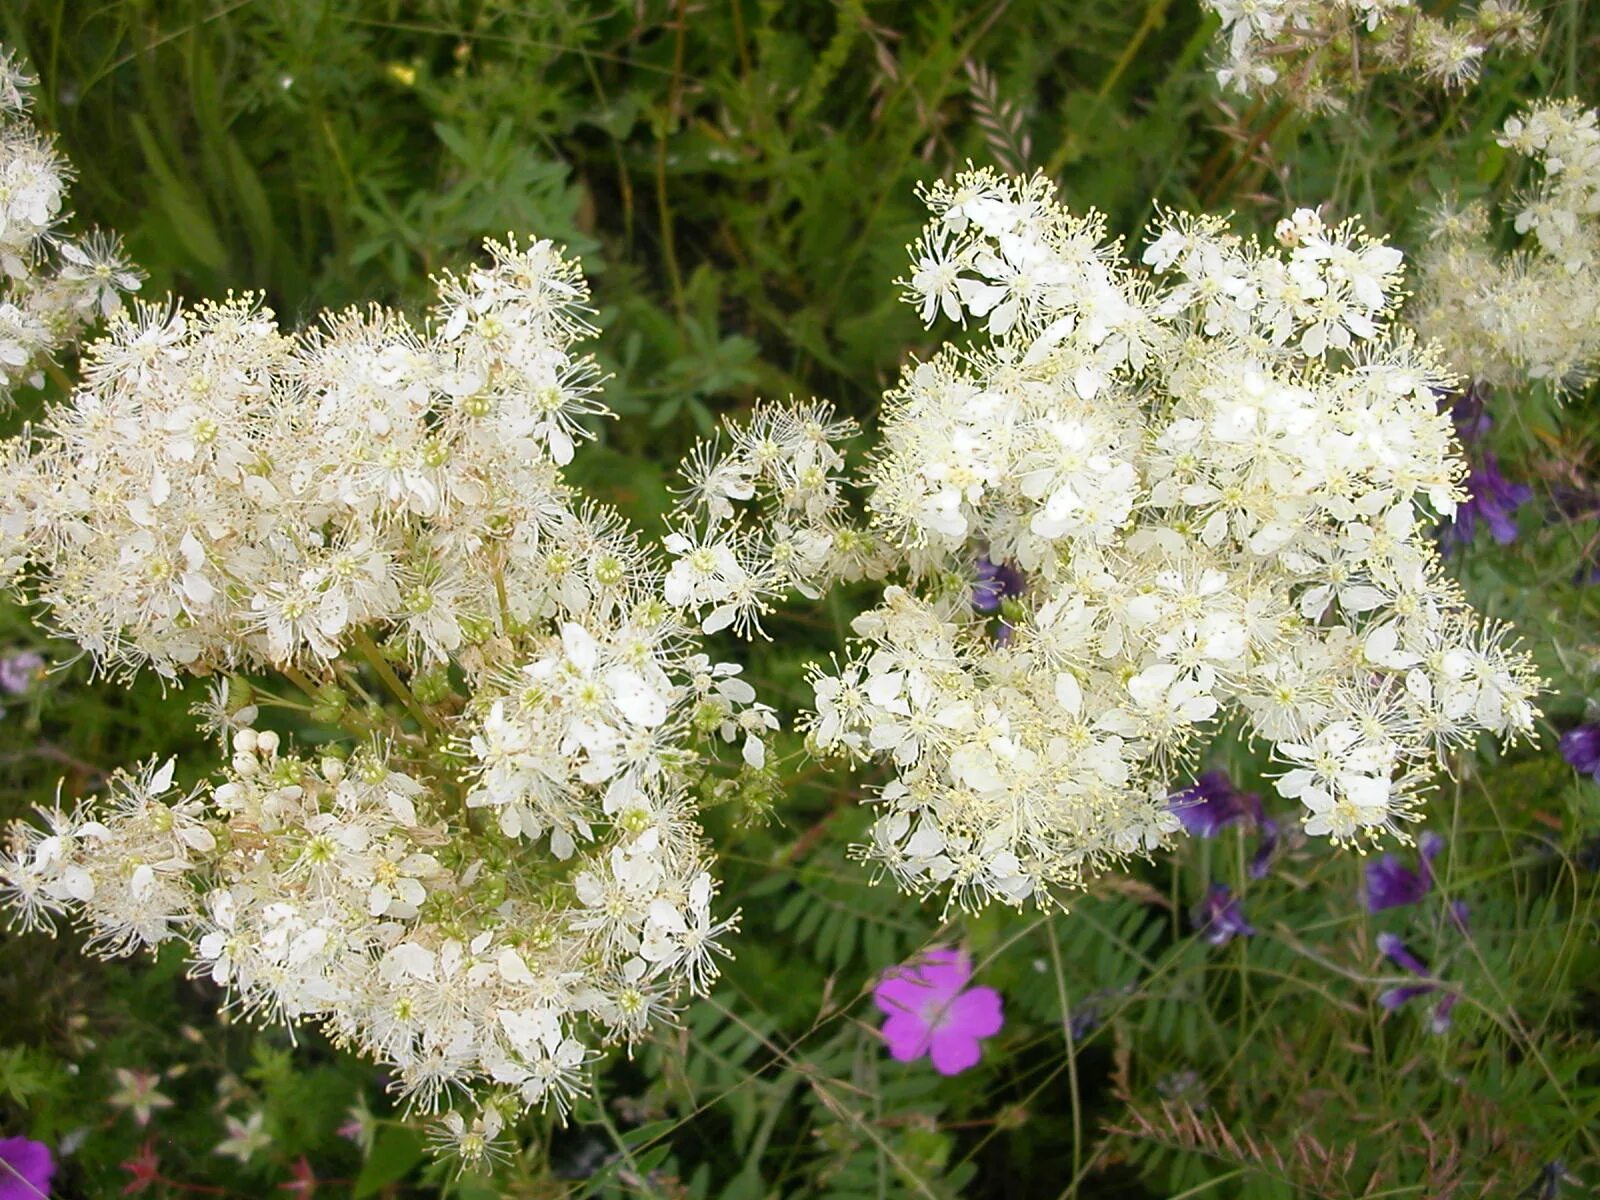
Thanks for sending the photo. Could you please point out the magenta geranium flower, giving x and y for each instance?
(931, 1011)
(26, 1168)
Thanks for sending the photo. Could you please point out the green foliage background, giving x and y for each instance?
(739, 175)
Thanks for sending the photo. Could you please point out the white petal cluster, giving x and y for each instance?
(333, 891)
(1534, 313)
(52, 287)
(499, 868)
(1211, 482)
(221, 494)
(1315, 52)
(729, 563)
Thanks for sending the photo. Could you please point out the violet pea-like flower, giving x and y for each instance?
(1219, 918)
(1391, 884)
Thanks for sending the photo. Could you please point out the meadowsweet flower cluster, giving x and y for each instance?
(1534, 313)
(1315, 52)
(52, 287)
(1208, 479)
(764, 514)
(501, 868)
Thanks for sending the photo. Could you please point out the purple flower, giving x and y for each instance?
(19, 672)
(1492, 499)
(1391, 884)
(1470, 413)
(994, 582)
(1398, 953)
(1581, 748)
(1219, 918)
(1212, 804)
(26, 1168)
(929, 1012)
(1261, 860)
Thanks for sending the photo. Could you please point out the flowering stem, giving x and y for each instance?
(1072, 1058)
(369, 651)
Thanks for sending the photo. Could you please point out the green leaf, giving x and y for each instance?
(397, 1149)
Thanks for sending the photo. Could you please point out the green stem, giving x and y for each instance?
(363, 642)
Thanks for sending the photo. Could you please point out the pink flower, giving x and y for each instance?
(26, 1167)
(929, 1013)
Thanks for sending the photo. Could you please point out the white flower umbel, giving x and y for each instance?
(1314, 53)
(1195, 489)
(1533, 314)
(496, 868)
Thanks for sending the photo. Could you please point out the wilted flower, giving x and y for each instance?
(931, 1011)
(1315, 53)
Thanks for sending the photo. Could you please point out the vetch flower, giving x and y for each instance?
(1212, 803)
(1491, 498)
(1219, 918)
(1581, 748)
(26, 1168)
(1391, 884)
(931, 1011)
(1393, 998)
(994, 582)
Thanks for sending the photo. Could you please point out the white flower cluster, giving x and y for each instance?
(782, 459)
(219, 494)
(1533, 313)
(372, 505)
(52, 287)
(1315, 52)
(334, 891)
(1193, 493)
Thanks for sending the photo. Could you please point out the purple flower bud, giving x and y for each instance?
(1261, 860)
(1581, 748)
(1393, 998)
(1396, 952)
(1219, 918)
(1440, 1021)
